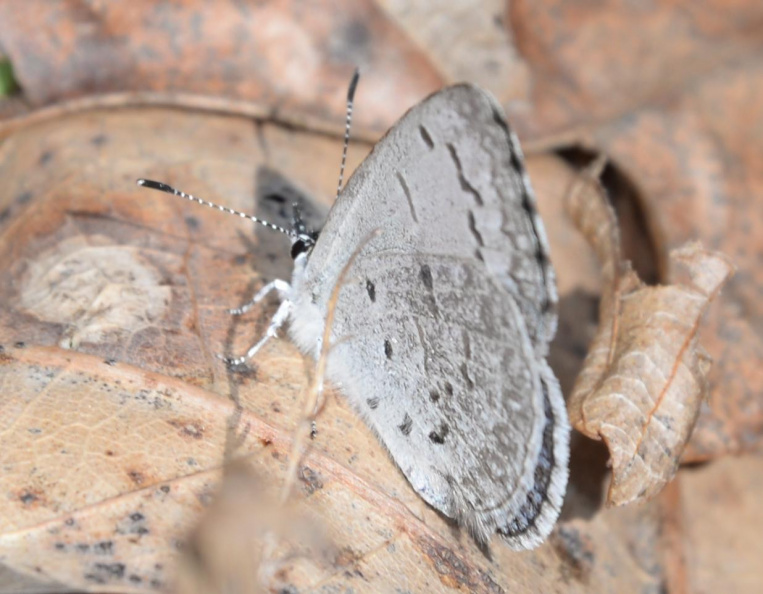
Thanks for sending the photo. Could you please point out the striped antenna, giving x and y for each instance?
(155, 185)
(350, 99)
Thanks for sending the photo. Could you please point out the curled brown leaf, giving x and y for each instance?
(644, 377)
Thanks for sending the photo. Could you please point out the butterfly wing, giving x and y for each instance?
(445, 327)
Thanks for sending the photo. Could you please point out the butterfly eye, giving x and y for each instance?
(300, 247)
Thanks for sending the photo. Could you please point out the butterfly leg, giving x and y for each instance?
(278, 320)
(281, 286)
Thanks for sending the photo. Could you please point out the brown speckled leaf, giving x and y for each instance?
(670, 92)
(248, 542)
(597, 62)
(118, 419)
(290, 59)
(645, 374)
(467, 40)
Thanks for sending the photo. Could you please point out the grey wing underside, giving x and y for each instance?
(446, 324)
(451, 385)
(448, 179)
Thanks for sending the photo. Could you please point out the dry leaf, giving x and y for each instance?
(466, 40)
(669, 94)
(597, 62)
(113, 451)
(672, 100)
(250, 542)
(645, 375)
(286, 58)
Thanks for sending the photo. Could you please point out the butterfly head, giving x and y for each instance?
(304, 238)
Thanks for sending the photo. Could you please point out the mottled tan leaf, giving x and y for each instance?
(670, 93)
(118, 419)
(467, 40)
(289, 59)
(248, 542)
(645, 375)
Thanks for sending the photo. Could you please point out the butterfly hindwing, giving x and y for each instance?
(442, 332)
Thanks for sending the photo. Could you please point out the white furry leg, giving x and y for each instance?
(276, 322)
(281, 286)
(282, 314)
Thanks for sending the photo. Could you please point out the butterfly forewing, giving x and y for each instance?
(448, 317)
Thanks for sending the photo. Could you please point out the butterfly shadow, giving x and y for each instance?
(589, 475)
(269, 255)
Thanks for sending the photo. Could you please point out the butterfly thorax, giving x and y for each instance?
(306, 320)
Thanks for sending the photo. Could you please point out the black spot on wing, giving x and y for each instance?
(101, 573)
(540, 255)
(388, 349)
(527, 205)
(104, 547)
(439, 436)
(425, 274)
(407, 424)
(465, 375)
(277, 198)
(427, 279)
(465, 185)
(408, 197)
(371, 288)
(434, 395)
(372, 403)
(473, 229)
(27, 498)
(426, 137)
